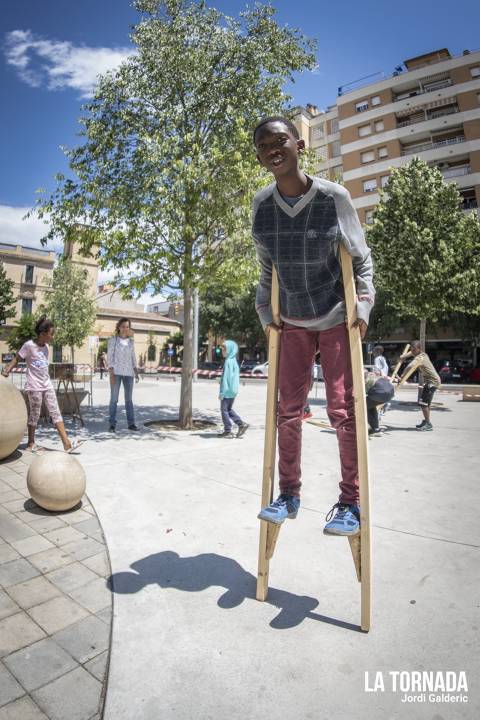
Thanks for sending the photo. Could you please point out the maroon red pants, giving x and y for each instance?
(297, 353)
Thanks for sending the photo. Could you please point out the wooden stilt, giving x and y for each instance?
(268, 531)
(397, 366)
(360, 545)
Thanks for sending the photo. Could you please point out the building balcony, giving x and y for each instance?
(422, 147)
(423, 91)
(456, 171)
(425, 116)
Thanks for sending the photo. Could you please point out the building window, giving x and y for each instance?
(375, 100)
(364, 130)
(369, 185)
(369, 217)
(318, 133)
(29, 273)
(367, 157)
(361, 106)
(26, 306)
(321, 153)
(475, 71)
(382, 152)
(337, 173)
(379, 126)
(336, 148)
(334, 126)
(384, 180)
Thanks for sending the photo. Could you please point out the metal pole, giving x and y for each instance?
(196, 313)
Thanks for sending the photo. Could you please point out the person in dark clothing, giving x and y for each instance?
(379, 391)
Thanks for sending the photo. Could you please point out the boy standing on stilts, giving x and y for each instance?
(298, 223)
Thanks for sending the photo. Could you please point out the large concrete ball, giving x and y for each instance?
(13, 417)
(56, 481)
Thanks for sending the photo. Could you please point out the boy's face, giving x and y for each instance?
(277, 148)
(416, 350)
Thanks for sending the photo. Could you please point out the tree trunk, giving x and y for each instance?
(72, 353)
(423, 333)
(185, 414)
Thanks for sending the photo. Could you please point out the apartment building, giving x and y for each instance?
(428, 108)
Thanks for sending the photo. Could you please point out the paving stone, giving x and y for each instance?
(84, 640)
(9, 688)
(50, 559)
(64, 535)
(98, 666)
(13, 528)
(76, 516)
(15, 505)
(89, 527)
(7, 606)
(105, 615)
(7, 553)
(56, 614)
(83, 548)
(94, 596)
(42, 523)
(75, 696)
(15, 481)
(71, 577)
(99, 564)
(39, 664)
(9, 495)
(18, 631)
(33, 592)
(23, 709)
(32, 545)
(16, 571)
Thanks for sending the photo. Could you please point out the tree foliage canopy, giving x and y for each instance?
(70, 305)
(426, 249)
(7, 298)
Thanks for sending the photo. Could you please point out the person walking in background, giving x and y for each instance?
(379, 362)
(102, 364)
(122, 367)
(229, 385)
(38, 385)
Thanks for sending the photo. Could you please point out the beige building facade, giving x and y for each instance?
(428, 108)
(31, 270)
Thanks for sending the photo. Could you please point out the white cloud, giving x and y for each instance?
(60, 64)
(17, 231)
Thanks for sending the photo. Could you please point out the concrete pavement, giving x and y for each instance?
(179, 515)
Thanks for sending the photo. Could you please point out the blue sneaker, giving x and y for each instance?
(285, 506)
(345, 522)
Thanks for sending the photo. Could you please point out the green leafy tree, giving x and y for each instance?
(21, 332)
(69, 304)
(166, 173)
(7, 298)
(426, 249)
(232, 314)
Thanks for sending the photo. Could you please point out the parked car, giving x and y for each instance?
(451, 373)
(210, 365)
(248, 365)
(261, 369)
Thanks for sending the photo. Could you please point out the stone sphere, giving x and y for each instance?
(56, 481)
(13, 417)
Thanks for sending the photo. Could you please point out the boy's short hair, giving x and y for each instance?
(378, 349)
(276, 118)
(415, 344)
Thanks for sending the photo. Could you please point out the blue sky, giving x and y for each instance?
(52, 50)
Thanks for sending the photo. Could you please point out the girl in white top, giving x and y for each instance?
(122, 366)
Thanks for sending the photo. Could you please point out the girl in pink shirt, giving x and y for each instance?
(38, 385)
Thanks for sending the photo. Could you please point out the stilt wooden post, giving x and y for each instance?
(397, 366)
(269, 531)
(360, 545)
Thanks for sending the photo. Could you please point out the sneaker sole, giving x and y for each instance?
(344, 533)
(291, 516)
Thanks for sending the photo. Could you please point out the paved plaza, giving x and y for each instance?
(178, 513)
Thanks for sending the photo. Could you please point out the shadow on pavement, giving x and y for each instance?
(194, 574)
(96, 428)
